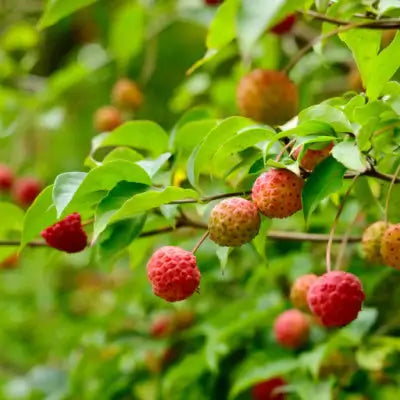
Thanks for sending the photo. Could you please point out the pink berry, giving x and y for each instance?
(173, 273)
(336, 298)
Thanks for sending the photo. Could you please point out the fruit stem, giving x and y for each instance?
(389, 193)
(200, 242)
(284, 148)
(335, 222)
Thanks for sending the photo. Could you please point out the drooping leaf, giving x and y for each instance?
(223, 27)
(117, 237)
(365, 44)
(112, 202)
(327, 178)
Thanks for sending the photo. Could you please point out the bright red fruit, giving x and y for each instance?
(336, 298)
(173, 273)
(66, 235)
(213, 2)
(269, 390)
(25, 190)
(6, 177)
(277, 193)
(292, 329)
(285, 25)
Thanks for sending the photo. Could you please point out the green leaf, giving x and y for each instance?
(65, 186)
(311, 127)
(76, 189)
(123, 153)
(112, 202)
(223, 27)
(383, 67)
(141, 135)
(152, 199)
(247, 137)
(117, 237)
(258, 374)
(327, 114)
(348, 154)
(153, 166)
(254, 18)
(58, 9)
(326, 179)
(128, 16)
(365, 44)
(199, 160)
(259, 242)
(315, 390)
(41, 214)
(11, 217)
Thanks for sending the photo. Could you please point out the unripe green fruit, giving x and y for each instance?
(371, 242)
(267, 96)
(234, 222)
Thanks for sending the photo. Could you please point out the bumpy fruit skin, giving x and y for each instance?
(267, 96)
(336, 297)
(25, 190)
(292, 329)
(213, 2)
(162, 326)
(107, 118)
(371, 242)
(66, 235)
(312, 158)
(234, 222)
(285, 25)
(390, 246)
(299, 290)
(277, 193)
(6, 178)
(126, 94)
(173, 273)
(267, 390)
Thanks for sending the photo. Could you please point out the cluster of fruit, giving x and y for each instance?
(125, 96)
(23, 190)
(381, 244)
(173, 271)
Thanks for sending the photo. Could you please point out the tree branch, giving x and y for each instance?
(297, 57)
(387, 23)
